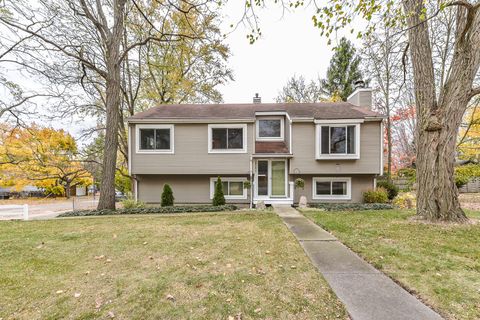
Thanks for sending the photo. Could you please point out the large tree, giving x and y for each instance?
(89, 40)
(343, 71)
(439, 107)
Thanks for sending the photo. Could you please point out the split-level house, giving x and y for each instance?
(335, 147)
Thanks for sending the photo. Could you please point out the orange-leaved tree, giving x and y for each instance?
(43, 157)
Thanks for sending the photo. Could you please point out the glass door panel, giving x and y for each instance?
(278, 178)
(262, 177)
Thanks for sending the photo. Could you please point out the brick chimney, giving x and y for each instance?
(257, 98)
(362, 96)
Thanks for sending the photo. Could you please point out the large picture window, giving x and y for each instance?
(338, 141)
(232, 188)
(332, 188)
(269, 129)
(227, 138)
(155, 138)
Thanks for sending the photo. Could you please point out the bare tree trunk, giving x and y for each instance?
(438, 121)
(389, 145)
(113, 101)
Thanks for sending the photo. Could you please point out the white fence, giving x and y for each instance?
(14, 211)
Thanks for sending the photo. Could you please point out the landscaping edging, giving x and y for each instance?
(152, 210)
(351, 206)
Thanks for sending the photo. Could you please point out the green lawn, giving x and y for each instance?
(440, 263)
(214, 266)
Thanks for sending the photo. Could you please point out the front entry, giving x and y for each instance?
(271, 179)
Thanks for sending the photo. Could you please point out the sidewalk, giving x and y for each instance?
(366, 292)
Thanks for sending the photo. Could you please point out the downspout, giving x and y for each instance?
(251, 182)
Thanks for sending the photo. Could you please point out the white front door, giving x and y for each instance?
(271, 178)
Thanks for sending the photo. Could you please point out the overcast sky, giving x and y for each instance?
(289, 45)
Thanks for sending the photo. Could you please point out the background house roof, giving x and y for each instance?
(322, 110)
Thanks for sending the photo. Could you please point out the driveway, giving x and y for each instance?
(50, 209)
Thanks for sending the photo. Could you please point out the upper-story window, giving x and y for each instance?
(338, 141)
(270, 129)
(227, 138)
(154, 138)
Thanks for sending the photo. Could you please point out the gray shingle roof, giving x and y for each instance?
(323, 110)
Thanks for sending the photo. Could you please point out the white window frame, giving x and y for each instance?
(213, 180)
(337, 123)
(282, 129)
(155, 126)
(348, 196)
(227, 126)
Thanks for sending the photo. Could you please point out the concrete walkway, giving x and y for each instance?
(366, 292)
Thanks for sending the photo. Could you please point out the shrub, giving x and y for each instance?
(130, 203)
(218, 197)
(167, 196)
(379, 195)
(149, 210)
(465, 173)
(406, 200)
(247, 184)
(351, 206)
(392, 189)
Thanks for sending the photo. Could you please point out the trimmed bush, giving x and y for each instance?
(392, 189)
(149, 210)
(351, 206)
(167, 196)
(218, 197)
(132, 204)
(379, 195)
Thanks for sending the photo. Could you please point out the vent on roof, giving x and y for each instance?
(257, 98)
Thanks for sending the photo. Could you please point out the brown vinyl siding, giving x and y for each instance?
(191, 154)
(360, 183)
(304, 162)
(187, 189)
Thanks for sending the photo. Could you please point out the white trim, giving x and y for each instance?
(339, 121)
(348, 196)
(155, 126)
(282, 129)
(290, 136)
(359, 90)
(213, 180)
(129, 146)
(336, 156)
(271, 113)
(381, 148)
(228, 126)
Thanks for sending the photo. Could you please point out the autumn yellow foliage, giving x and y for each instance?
(40, 156)
(469, 135)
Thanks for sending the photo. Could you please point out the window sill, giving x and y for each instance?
(270, 139)
(155, 152)
(331, 198)
(226, 151)
(338, 157)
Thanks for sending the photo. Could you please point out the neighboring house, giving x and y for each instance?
(337, 148)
